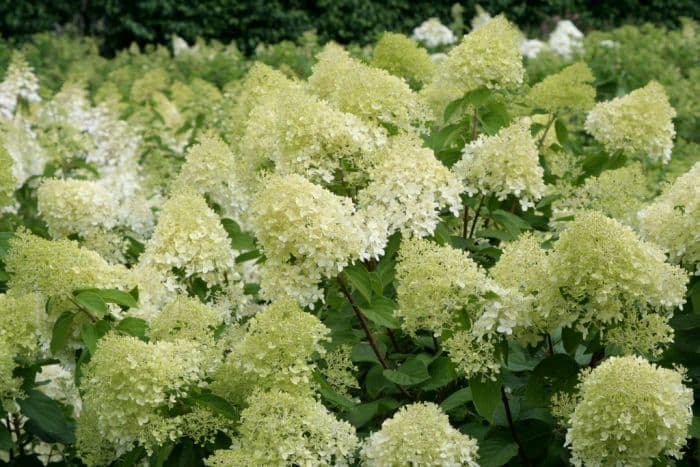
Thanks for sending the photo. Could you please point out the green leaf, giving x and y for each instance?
(5, 238)
(477, 97)
(358, 276)
(46, 418)
(512, 223)
(5, 438)
(375, 283)
(240, 240)
(330, 395)
(442, 372)
(133, 326)
(247, 256)
(88, 333)
(381, 312)
(412, 372)
(562, 132)
(363, 413)
(216, 404)
(452, 108)
(497, 450)
(487, 396)
(685, 322)
(363, 352)
(694, 430)
(92, 302)
(457, 399)
(556, 373)
(131, 458)
(124, 299)
(62, 330)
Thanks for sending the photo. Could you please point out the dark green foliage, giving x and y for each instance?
(250, 22)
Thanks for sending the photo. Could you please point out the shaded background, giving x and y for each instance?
(119, 23)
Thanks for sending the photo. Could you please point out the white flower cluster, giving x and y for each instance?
(433, 33)
(504, 164)
(19, 82)
(566, 39)
(408, 187)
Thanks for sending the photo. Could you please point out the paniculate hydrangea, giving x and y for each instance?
(603, 273)
(19, 82)
(210, 168)
(9, 384)
(370, 93)
(126, 386)
(617, 193)
(28, 156)
(189, 237)
(630, 412)
(503, 164)
(647, 335)
(433, 33)
(570, 89)
(275, 352)
(408, 187)
(76, 207)
(639, 123)
(340, 370)
(278, 428)
(296, 220)
(293, 132)
(58, 267)
(419, 434)
(566, 39)
(8, 182)
(531, 48)
(672, 220)
(486, 58)
(480, 18)
(21, 319)
(185, 318)
(401, 56)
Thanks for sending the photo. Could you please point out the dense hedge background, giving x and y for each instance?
(252, 21)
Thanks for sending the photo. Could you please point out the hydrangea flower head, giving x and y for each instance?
(630, 412)
(370, 93)
(401, 56)
(570, 89)
(506, 163)
(19, 82)
(278, 428)
(566, 39)
(640, 123)
(419, 434)
(433, 33)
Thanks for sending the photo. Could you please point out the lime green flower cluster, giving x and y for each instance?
(58, 267)
(189, 237)
(488, 57)
(9, 384)
(630, 412)
(22, 319)
(419, 434)
(126, 388)
(210, 168)
(402, 56)
(568, 90)
(340, 370)
(293, 132)
(296, 219)
(408, 187)
(279, 428)
(672, 220)
(80, 207)
(370, 93)
(185, 318)
(275, 353)
(441, 289)
(640, 123)
(8, 182)
(617, 193)
(503, 164)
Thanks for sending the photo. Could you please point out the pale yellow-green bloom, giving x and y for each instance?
(488, 57)
(21, 319)
(503, 164)
(617, 193)
(125, 387)
(80, 207)
(408, 187)
(340, 371)
(403, 57)
(370, 93)
(419, 434)
(8, 182)
(672, 220)
(568, 90)
(630, 412)
(297, 220)
(189, 237)
(19, 82)
(185, 318)
(276, 352)
(58, 267)
(281, 429)
(640, 123)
